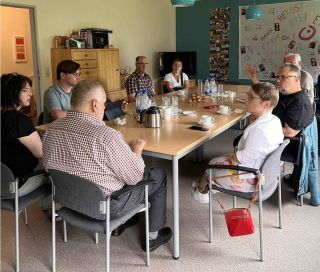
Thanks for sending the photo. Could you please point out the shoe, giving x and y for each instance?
(57, 218)
(201, 198)
(195, 185)
(164, 235)
(288, 179)
(131, 222)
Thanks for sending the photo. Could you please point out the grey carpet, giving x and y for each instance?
(294, 248)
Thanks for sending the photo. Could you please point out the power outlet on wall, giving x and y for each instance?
(47, 71)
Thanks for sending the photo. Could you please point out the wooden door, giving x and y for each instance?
(109, 69)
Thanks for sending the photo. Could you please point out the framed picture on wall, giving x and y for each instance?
(20, 54)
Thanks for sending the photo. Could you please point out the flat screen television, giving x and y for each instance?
(189, 62)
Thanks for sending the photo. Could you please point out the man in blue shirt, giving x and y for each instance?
(57, 97)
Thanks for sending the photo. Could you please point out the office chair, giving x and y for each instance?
(10, 200)
(85, 206)
(270, 171)
(40, 119)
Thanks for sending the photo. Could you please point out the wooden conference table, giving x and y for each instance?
(175, 139)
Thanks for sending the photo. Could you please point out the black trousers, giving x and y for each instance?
(157, 199)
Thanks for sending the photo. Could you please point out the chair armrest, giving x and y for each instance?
(300, 138)
(32, 174)
(234, 167)
(130, 188)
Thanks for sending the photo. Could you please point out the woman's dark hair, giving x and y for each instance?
(68, 67)
(178, 60)
(11, 86)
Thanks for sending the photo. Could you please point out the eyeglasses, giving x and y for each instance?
(282, 77)
(251, 97)
(144, 63)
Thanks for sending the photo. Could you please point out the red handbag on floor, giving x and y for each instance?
(239, 221)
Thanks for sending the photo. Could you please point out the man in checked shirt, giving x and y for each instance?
(83, 145)
(139, 80)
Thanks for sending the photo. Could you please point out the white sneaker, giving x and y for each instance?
(201, 198)
(196, 183)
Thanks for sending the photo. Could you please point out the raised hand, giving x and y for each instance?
(251, 72)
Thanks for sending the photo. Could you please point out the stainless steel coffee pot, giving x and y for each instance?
(151, 117)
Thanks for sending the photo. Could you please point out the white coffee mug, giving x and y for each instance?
(167, 113)
(231, 94)
(206, 120)
(181, 92)
(224, 109)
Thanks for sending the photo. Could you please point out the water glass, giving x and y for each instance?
(200, 86)
(165, 101)
(220, 88)
(175, 105)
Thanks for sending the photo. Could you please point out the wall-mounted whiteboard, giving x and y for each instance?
(285, 27)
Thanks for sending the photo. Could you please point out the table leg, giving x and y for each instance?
(175, 190)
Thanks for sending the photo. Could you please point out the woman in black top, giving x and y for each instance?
(21, 146)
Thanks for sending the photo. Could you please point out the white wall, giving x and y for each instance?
(15, 22)
(140, 27)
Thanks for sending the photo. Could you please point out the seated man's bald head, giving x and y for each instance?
(84, 91)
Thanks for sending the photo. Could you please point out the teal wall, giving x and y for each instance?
(193, 32)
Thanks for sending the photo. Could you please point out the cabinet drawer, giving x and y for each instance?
(83, 55)
(89, 74)
(87, 63)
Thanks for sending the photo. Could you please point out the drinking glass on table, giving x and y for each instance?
(175, 105)
(200, 86)
(165, 101)
(220, 88)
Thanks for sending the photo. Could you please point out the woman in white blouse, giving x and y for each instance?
(259, 139)
(176, 80)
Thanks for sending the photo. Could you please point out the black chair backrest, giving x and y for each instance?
(271, 170)
(77, 194)
(41, 119)
(6, 177)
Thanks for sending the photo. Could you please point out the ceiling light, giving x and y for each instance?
(182, 3)
(254, 12)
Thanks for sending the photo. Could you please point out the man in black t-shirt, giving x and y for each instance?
(294, 108)
(295, 111)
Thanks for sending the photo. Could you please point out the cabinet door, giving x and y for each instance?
(109, 74)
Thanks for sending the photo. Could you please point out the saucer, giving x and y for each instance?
(224, 95)
(190, 113)
(227, 113)
(200, 123)
(120, 121)
(242, 100)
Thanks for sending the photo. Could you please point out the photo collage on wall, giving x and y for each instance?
(219, 43)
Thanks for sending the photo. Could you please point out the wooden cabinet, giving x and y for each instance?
(96, 64)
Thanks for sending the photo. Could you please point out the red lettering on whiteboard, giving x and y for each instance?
(308, 34)
(316, 19)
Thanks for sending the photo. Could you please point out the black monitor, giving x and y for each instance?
(189, 62)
